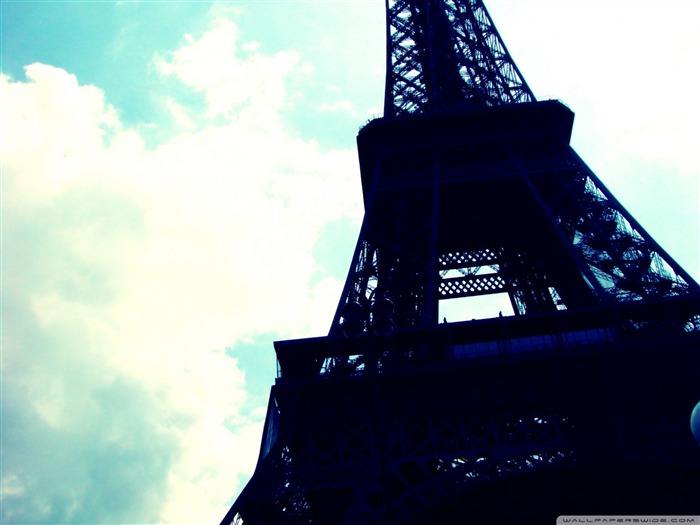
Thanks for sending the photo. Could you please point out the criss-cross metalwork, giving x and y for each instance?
(400, 416)
(444, 54)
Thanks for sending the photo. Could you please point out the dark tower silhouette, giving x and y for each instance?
(575, 400)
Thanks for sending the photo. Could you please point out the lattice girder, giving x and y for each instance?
(471, 188)
(570, 243)
(473, 258)
(444, 54)
(471, 285)
(626, 261)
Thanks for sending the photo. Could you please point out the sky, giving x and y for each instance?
(180, 188)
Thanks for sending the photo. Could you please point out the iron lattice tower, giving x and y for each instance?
(577, 401)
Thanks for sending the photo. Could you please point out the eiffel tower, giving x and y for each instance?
(576, 400)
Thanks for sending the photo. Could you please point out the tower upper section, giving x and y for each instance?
(447, 54)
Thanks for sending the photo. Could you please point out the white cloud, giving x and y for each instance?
(233, 78)
(132, 269)
(181, 114)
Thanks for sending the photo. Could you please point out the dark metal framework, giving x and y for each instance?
(578, 403)
(597, 253)
(441, 54)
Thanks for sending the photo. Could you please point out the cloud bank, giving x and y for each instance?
(131, 271)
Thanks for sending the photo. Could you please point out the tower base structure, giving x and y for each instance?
(483, 422)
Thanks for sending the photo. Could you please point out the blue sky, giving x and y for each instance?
(180, 188)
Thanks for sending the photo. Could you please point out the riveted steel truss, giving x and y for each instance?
(444, 53)
(428, 460)
(471, 189)
(518, 214)
(475, 404)
(623, 258)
